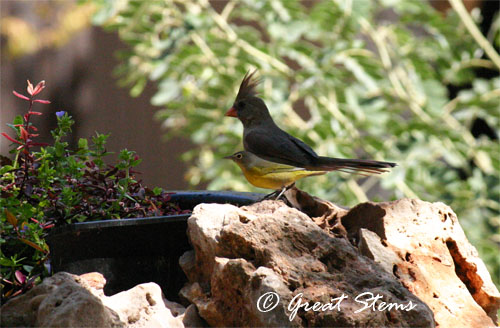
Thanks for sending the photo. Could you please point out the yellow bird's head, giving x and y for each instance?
(241, 158)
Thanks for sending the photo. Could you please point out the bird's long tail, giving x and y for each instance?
(350, 165)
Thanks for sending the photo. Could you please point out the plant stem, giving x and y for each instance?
(458, 6)
(26, 148)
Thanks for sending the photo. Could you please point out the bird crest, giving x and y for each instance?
(248, 85)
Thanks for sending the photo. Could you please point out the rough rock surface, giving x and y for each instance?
(67, 300)
(424, 246)
(243, 253)
(53, 304)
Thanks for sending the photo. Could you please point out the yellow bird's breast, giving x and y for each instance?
(277, 179)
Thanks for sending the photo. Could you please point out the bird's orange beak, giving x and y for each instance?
(231, 112)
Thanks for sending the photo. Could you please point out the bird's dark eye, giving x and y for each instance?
(240, 105)
(239, 156)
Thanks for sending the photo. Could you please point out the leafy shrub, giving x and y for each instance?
(54, 186)
(352, 79)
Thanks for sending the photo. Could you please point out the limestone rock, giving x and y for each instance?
(142, 306)
(63, 300)
(66, 300)
(424, 246)
(190, 317)
(241, 255)
(326, 214)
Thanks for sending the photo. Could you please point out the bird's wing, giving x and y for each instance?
(278, 147)
(305, 147)
(279, 168)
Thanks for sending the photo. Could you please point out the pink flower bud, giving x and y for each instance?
(39, 87)
(30, 88)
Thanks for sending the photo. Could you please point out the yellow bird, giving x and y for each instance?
(265, 174)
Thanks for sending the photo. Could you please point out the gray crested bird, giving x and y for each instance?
(262, 137)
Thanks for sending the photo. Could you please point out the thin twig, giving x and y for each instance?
(464, 15)
(242, 44)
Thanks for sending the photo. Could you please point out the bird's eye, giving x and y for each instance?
(241, 105)
(239, 156)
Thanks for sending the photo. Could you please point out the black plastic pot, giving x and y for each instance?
(133, 251)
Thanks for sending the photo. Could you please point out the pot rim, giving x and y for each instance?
(235, 197)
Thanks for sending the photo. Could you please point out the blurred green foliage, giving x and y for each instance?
(357, 78)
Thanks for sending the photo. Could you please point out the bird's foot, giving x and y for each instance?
(278, 192)
(271, 195)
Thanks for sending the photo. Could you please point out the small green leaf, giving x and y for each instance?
(83, 143)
